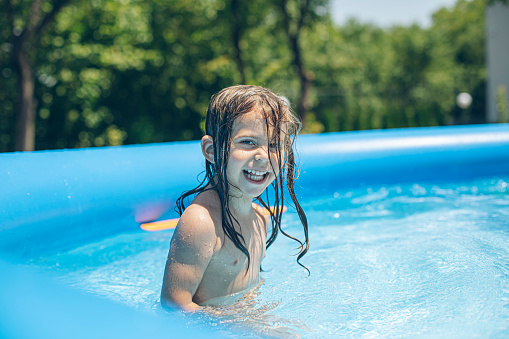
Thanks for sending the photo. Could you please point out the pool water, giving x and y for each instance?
(428, 259)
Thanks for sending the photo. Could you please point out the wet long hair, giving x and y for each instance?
(225, 107)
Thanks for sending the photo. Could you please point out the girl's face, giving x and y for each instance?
(253, 164)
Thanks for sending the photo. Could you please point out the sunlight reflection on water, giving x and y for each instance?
(408, 260)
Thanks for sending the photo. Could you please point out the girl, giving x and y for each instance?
(220, 240)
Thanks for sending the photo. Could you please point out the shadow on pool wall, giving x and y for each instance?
(57, 200)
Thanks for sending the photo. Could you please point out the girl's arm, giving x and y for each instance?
(192, 247)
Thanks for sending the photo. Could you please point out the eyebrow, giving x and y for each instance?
(248, 136)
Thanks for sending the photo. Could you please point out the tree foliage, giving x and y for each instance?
(112, 72)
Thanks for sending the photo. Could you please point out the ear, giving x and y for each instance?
(207, 148)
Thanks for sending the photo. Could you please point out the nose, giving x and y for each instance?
(262, 154)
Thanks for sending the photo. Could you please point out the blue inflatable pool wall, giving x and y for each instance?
(53, 201)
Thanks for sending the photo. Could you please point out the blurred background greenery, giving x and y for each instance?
(113, 72)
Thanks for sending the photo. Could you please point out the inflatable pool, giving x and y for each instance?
(53, 202)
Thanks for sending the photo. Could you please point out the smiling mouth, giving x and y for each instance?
(256, 176)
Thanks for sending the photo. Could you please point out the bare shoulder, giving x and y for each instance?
(198, 223)
(193, 245)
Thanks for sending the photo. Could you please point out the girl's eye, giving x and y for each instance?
(247, 142)
(273, 145)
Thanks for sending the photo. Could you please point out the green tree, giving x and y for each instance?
(297, 15)
(110, 72)
(458, 62)
(27, 25)
(368, 77)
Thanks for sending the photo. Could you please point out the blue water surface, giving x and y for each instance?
(420, 259)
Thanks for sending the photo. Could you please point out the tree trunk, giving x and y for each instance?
(236, 27)
(293, 30)
(25, 128)
(27, 104)
(303, 104)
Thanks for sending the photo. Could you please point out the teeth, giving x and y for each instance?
(256, 172)
(255, 175)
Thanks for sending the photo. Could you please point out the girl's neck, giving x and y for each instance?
(241, 207)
